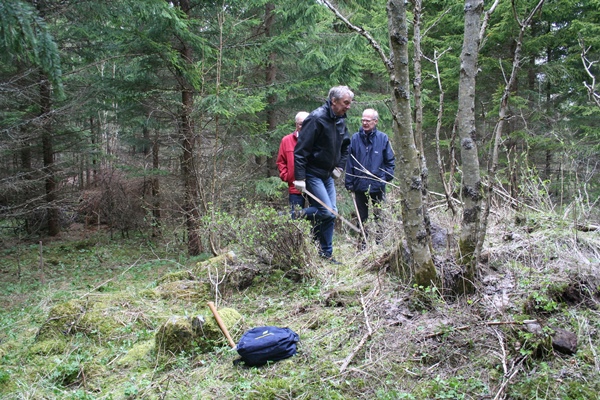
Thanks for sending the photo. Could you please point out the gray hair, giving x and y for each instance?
(301, 116)
(373, 112)
(337, 92)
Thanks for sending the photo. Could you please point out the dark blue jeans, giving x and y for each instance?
(297, 203)
(324, 189)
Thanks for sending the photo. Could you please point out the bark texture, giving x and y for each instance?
(48, 156)
(420, 266)
(471, 189)
(188, 137)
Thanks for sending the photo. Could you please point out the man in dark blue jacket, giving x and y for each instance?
(320, 156)
(370, 165)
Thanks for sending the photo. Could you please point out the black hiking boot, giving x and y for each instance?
(330, 259)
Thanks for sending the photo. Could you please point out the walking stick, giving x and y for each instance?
(221, 324)
(359, 219)
(344, 220)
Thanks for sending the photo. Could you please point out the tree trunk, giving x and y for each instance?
(156, 223)
(188, 137)
(271, 75)
(94, 140)
(417, 81)
(471, 189)
(146, 141)
(417, 87)
(48, 156)
(421, 267)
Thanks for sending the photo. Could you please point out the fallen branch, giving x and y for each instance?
(511, 375)
(587, 228)
(367, 336)
(489, 323)
(359, 346)
(109, 280)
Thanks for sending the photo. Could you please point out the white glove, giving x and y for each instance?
(300, 185)
(337, 172)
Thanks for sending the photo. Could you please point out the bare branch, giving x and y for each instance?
(486, 19)
(438, 129)
(587, 65)
(434, 24)
(376, 46)
(369, 174)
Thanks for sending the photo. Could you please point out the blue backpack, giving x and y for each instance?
(266, 343)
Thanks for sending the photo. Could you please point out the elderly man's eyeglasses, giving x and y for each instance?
(366, 120)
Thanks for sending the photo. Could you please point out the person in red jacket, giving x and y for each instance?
(285, 164)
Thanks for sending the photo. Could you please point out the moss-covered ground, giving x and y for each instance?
(84, 325)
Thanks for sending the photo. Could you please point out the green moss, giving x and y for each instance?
(210, 334)
(48, 347)
(230, 317)
(426, 275)
(186, 290)
(177, 276)
(10, 346)
(175, 335)
(342, 297)
(150, 294)
(101, 317)
(137, 354)
(466, 250)
(62, 319)
(199, 333)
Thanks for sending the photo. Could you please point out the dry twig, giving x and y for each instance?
(367, 336)
(489, 323)
(511, 375)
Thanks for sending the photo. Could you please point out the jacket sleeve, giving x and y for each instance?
(344, 149)
(389, 161)
(304, 146)
(282, 163)
(349, 177)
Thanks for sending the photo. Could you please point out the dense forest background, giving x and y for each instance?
(152, 115)
(138, 182)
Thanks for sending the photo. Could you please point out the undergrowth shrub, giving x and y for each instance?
(275, 240)
(117, 201)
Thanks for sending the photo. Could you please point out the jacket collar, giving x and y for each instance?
(367, 137)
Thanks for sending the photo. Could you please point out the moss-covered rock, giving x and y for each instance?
(137, 354)
(62, 320)
(150, 294)
(186, 290)
(211, 334)
(175, 335)
(48, 347)
(198, 333)
(102, 317)
(177, 276)
(341, 297)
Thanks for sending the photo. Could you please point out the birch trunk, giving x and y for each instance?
(409, 173)
(471, 189)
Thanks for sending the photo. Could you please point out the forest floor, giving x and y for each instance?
(364, 334)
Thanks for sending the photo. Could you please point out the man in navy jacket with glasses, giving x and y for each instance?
(370, 165)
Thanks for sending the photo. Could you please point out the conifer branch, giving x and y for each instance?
(374, 44)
